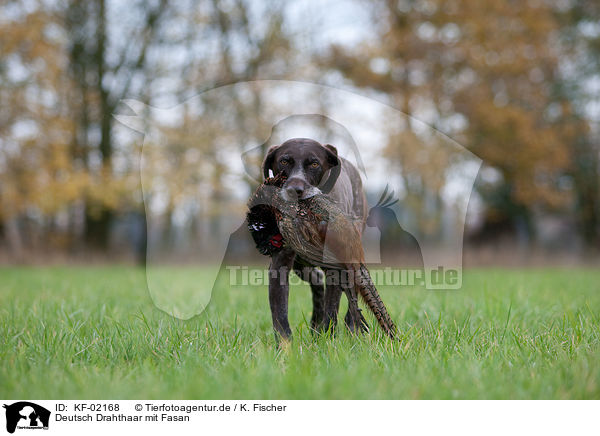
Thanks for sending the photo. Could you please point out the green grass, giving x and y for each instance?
(94, 333)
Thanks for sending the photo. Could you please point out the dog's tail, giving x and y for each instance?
(366, 288)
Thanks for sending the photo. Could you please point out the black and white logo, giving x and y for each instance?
(26, 415)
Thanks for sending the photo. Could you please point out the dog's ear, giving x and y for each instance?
(268, 162)
(335, 167)
(332, 155)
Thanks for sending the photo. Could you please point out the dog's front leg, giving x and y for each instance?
(333, 294)
(316, 279)
(279, 288)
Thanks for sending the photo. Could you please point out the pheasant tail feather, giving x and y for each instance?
(369, 293)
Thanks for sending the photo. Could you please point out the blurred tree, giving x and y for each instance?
(486, 73)
(64, 68)
(104, 69)
(36, 173)
(581, 38)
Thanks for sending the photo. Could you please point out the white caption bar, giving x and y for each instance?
(159, 417)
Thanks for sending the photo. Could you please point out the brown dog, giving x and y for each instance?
(311, 168)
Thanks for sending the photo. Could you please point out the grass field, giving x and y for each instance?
(94, 333)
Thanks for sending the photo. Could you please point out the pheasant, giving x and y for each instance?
(321, 235)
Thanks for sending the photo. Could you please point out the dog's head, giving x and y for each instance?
(309, 167)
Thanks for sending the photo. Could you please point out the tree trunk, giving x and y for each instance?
(98, 225)
(15, 241)
(97, 228)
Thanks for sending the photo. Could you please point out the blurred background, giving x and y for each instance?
(516, 83)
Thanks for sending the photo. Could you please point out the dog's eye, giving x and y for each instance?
(283, 162)
(314, 165)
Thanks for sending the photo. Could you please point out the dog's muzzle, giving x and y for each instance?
(297, 189)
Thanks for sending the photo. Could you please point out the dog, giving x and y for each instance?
(311, 168)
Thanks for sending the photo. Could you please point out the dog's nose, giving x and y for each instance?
(295, 187)
(295, 191)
